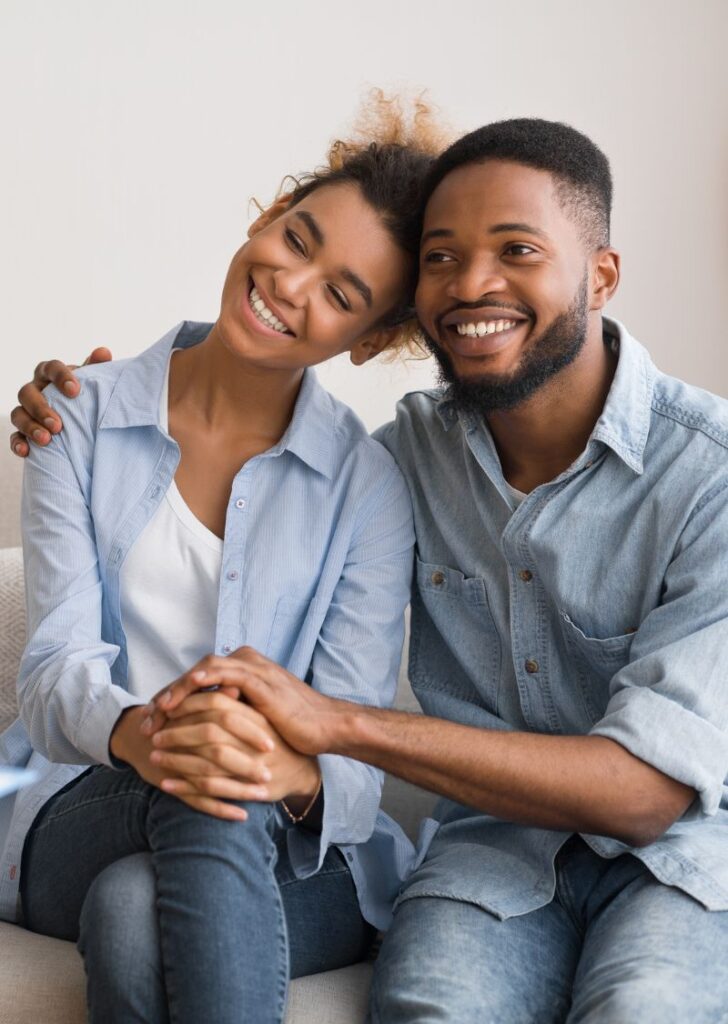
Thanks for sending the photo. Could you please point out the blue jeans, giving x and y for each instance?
(180, 916)
(614, 946)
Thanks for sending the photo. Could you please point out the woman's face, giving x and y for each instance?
(313, 283)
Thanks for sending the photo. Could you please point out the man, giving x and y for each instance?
(569, 624)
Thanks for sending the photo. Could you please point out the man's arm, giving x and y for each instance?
(584, 784)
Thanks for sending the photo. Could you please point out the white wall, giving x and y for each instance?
(133, 133)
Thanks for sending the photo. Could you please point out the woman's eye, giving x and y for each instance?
(340, 299)
(295, 242)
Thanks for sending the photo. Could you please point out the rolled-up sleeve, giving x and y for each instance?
(66, 698)
(668, 705)
(357, 658)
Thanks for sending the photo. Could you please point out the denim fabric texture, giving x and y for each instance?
(597, 606)
(614, 946)
(181, 915)
(316, 573)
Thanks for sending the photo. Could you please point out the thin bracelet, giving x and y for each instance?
(295, 818)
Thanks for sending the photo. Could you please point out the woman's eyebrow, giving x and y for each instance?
(348, 275)
(311, 224)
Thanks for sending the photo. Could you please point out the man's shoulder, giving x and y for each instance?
(417, 423)
(696, 413)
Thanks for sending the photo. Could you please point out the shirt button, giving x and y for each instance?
(438, 578)
(531, 666)
(241, 503)
(526, 575)
(233, 574)
(226, 649)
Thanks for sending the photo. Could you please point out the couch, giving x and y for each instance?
(41, 979)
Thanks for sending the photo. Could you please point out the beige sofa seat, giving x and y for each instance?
(41, 979)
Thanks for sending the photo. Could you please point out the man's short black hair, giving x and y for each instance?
(580, 169)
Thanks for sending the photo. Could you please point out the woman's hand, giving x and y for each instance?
(304, 718)
(223, 748)
(33, 418)
(130, 745)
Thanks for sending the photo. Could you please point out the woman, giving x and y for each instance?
(204, 495)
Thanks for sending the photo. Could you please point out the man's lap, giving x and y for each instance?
(614, 945)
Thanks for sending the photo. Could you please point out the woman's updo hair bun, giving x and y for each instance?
(392, 146)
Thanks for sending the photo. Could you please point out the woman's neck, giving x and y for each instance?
(221, 394)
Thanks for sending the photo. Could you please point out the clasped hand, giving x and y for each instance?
(208, 748)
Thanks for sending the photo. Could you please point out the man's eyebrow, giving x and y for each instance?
(363, 289)
(436, 233)
(310, 222)
(528, 228)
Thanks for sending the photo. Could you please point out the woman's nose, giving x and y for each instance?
(292, 284)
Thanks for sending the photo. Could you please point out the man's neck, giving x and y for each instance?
(542, 436)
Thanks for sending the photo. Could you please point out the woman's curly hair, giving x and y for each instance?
(389, 155)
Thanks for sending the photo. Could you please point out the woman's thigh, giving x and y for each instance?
(96, 820)
(101, 817)
(325, 926)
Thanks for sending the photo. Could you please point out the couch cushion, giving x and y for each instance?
(11, 474)
(12, 629)
(42, 980)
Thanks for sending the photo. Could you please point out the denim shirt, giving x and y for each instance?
(316, 571)
(598, 605)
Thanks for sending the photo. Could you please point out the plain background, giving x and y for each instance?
(134, 134)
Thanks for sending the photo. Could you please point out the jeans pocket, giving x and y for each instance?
(454, 646)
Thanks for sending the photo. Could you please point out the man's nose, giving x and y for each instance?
(474, 278)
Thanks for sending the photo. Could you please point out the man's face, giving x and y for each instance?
(503, 288)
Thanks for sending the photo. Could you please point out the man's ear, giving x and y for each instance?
(371, 344)
(605, 277)
(268, 216)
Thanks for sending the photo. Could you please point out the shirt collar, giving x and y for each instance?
(625, 420)
(310, 436)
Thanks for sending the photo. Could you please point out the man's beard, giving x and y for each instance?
(558, 346)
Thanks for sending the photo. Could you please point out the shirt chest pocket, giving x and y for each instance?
(594, 662)
(285, 629)
(454, 646)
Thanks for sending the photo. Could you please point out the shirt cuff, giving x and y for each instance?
(347, 799)
(676, 741)
(97, 726)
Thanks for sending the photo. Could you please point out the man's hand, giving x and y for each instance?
(224, 748)
(302, 716)
(34, 419)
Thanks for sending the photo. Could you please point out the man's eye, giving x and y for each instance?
(339, 297)
(295, 242)
(518, 249)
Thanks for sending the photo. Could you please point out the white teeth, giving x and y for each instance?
(483, 327)
(265, 315)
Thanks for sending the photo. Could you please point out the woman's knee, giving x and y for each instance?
(119, 913)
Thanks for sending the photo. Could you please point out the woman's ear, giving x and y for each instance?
(370, 345)
(268, 216)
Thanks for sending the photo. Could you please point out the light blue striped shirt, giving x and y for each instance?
(316, 569)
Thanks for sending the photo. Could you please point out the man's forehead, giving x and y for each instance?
(494, 192)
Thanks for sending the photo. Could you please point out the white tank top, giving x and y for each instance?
(169, 590)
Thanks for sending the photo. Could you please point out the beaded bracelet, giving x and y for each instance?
(295, 818)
